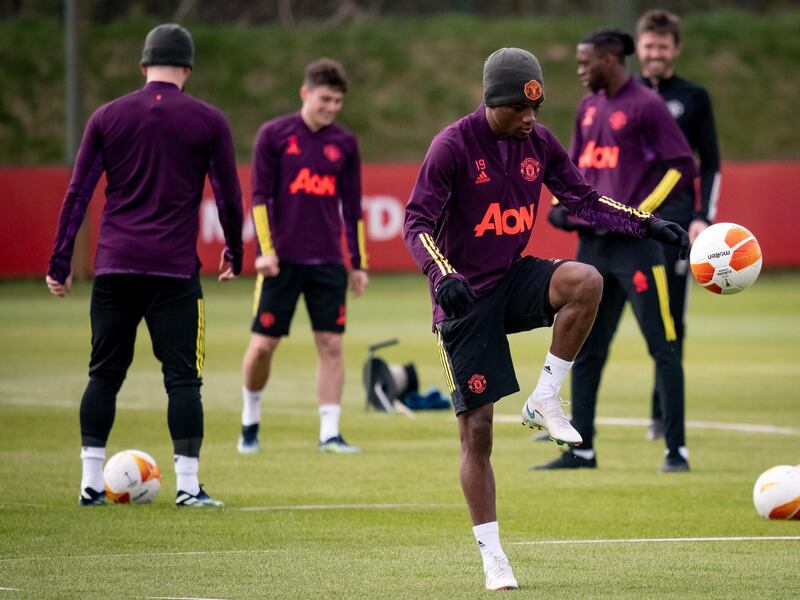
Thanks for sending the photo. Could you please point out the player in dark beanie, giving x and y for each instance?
(156, 147)
(469, 218)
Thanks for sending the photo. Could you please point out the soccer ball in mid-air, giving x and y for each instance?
(132, 476)
(725, 258)
(776, 493)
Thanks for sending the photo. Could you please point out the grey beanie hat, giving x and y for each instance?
(512, 76)
(169, 45)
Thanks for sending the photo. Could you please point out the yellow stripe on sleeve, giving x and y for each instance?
(362, 245)
(624, 208)
(661, 191)
(436, 254)
(200, 350)
(262, 229)
(660, 277)
(448, 371)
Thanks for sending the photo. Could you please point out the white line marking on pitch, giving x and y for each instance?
(346, 507)
(177, 598)
(2, 589)
(626, 422)
(665, 540)
(136, 555)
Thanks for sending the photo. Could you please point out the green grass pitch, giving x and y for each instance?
(391, 522)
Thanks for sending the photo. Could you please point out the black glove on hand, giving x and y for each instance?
(558, 217)
(455, 296)
(669, 233)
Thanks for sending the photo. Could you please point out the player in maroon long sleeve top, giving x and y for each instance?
(306, 189)
(470, 216)
(156, 147)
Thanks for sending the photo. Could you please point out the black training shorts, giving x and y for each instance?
(324, 289)
(474, 349)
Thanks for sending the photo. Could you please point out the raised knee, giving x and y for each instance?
(587, 282)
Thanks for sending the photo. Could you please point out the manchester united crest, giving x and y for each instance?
(617, 120)
(267, 319)
(477, 384)
(332, 152)
(533, 90)
(530, 169)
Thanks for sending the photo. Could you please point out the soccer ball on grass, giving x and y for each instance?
(776, 493)
(132, 476)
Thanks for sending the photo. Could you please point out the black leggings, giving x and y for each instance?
(174, 313)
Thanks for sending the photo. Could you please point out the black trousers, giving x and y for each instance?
(633, 271)
(175, 316)
(678, 284)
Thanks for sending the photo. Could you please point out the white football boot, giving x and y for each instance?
(548, 414)
(499, 575)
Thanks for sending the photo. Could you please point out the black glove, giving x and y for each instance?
(669, 233)
(455, 296)
(558, 217)
(234, 259)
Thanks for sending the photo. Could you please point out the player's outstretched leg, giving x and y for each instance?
(543, 409)
(574, 293)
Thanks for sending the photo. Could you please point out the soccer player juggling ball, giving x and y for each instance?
(306, 182)
(468, 219)
(156, 146)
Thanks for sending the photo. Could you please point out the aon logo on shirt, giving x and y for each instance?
(599, 157)
(316, 185)
(509, 221)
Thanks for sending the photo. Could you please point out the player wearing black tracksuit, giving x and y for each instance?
(625, 144)
(690, 105)
(658, 45)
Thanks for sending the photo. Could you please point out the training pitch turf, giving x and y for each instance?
(391, 522)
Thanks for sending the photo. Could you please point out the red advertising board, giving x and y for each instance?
(760, 196)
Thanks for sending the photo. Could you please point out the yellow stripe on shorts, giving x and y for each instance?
(200, 350)
(257, 292)
(448, 371)
(660, 277)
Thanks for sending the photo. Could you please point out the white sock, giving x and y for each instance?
(251, 406)
(682, 450)
(92, 458)
(186, 468)
(488, 537)
(587, 454)
(329, 421)
(552, 376)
